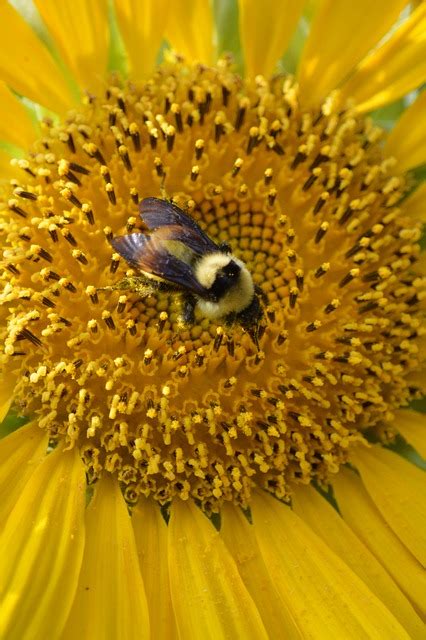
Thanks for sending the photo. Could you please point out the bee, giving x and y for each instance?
(177, 256)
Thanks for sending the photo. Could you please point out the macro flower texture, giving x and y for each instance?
(167, 479)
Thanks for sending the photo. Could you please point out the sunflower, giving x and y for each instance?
(173, 480)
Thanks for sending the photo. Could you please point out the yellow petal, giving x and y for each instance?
(341, 34)
(26, 65)
(190, 30)
(6, 172)
(110, 599)
(415, 204)
(209, 598)
(20, 453)
(397, 488)
(326, 598)
(42, 547)
(360, 513)
(328, 525)
(81, 33)
(16, 125)
(393, 70)
(418, 377)
(240, 540)
(412, 426)
(8, 383)
(7, 387)
(142, 26)
(407, 140)
(265, 30)
(151, 543)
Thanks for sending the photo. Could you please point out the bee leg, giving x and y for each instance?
(250, 319)
(136, 284)
(188, 311)
(230, 319)
(249, 325)
(262, 295)
(118, 286)
(253, 332)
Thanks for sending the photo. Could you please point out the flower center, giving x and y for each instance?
(305, 199)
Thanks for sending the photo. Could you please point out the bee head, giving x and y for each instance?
(217, 272)
(226, 277)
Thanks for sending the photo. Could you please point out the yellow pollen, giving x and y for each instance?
(306, 200)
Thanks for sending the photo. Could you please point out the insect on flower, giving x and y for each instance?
(178, 256)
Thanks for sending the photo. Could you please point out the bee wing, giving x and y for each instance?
(148, 254)
(131, 247)
(160, 213)
(187, 236)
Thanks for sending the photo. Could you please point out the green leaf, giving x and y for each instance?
(290, 60)
(117, 60)
(11, 423)
(228, 34)
(387, 116)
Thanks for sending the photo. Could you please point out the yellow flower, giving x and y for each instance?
(265, 493)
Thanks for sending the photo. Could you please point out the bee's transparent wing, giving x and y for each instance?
(148, 254)
(160, 213)
(131, 247)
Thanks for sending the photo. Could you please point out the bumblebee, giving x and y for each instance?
(178, 256)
